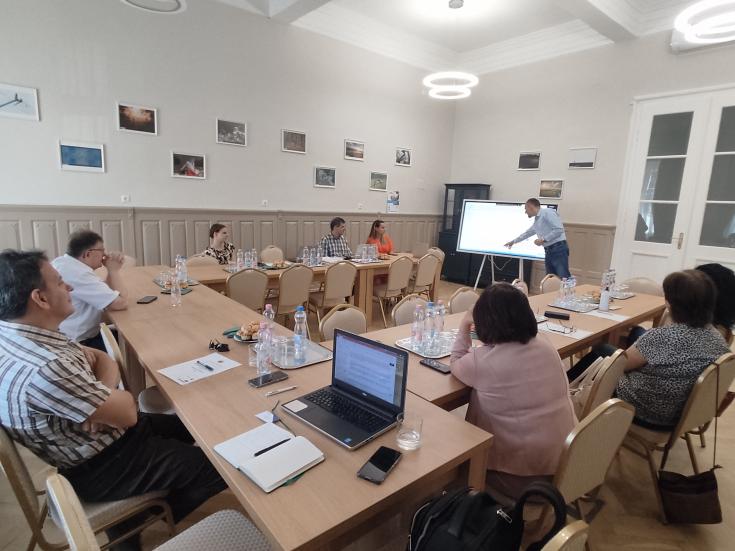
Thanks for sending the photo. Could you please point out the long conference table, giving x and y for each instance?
(329, 507)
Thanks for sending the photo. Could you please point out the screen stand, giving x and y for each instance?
(492, 271)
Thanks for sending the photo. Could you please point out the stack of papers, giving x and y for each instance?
(564, 331)
(270, 455)
(607, 315)
(198, 368)
(331, 259)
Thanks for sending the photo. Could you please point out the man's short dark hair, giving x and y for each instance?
(82, 240)
(336, 221)
(502, 314)
(724, 280)
(534, 202)
(691, 296)
(20, 274)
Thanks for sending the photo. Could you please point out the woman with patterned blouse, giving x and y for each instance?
(219, 247)
(664, 363)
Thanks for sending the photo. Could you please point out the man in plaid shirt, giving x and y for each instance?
(334, 243)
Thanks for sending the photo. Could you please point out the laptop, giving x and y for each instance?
(367, 395)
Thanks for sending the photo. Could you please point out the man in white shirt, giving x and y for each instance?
(91, 295)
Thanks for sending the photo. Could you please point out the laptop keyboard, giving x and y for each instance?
(346, 410)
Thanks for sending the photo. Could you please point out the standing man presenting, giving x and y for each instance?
(550, 234)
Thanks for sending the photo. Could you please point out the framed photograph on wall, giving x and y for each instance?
(81, 157)
(293, 141)
(18, 102)
(582, 157)
(325, 176)
(378, 181)
(393, 201)
(186, 165)
(550, 189)
(136, 118)
(354, 150)
(529, 160)
(404, 156)
(232, 133)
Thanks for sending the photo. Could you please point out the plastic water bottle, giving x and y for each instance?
(364, 254)
(264, 349)
(305, 256)
(240, 260)
(417, 328)
(253, 258)
(175, 292)
(429, 328)
(270, 315)
(319, 254)
(312, 256)
(300, 335)
(439, 317)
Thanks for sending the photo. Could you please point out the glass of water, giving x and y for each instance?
(409, 431)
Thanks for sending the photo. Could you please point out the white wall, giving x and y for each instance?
(582, 99)
(212, 60)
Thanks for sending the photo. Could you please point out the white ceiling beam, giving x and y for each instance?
(288, 11)
(610, 19)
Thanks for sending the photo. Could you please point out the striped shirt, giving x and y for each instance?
(335, 246)
(48, 390)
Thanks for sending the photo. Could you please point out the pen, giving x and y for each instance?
(269, 448)
(284, 389)
(209, 367)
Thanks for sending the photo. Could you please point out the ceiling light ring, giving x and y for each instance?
(705, 30)
(458, 78)
(178, 6)
(449, 92)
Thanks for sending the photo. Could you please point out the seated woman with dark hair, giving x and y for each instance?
(520, 392)
(665, 362)
(219, 247)
(723, 318)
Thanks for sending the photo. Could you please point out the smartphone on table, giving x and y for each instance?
(268, 379)
(381, 463)
(147, 300)
(436, 364)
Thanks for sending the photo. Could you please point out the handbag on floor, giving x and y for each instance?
(468, 520)
(692, 499)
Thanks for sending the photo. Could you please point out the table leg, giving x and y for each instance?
(477, 469)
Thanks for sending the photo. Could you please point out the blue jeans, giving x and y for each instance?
(557, 259)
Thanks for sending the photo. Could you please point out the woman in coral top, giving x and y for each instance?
(380, 238)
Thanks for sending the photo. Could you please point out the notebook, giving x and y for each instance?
(272, 468)
(367, 394)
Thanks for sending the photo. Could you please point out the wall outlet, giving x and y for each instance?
(264, 203)
(125, 198)
(359, 206)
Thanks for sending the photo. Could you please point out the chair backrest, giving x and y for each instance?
(419, 249)
(605, 381)
(294, 285)
(436, 251)
(550, 283)
(520, 285)
(113, 351)
(665, 319)
(20, 481)
(573, 537)
(402, 312)
(343, 316)
(202, 260)
(701, 406)
(398, 274)
(590, 448)
(426, 271)
(462, 300)
(644, 285)
(68, 513)
(339, 280)
(271, 254)
(248, 287)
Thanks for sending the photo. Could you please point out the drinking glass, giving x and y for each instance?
(409, 431)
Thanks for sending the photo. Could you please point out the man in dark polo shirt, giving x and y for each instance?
(61, 400)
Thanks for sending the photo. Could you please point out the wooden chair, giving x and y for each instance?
(644, 285)
(550, 283)
(294, 285)
(419, 249)
(573, 537)
(99, 516)
(402, 312)
(437, 252)
(223, 531)
(201, 260)
(339, 282)
(271, 254)
(398, 277)
(520, 285)
(462, 300)
(343, 316)
(604, 382)
(700, 409)
(150, 399)
(248, 287)
(426, 270)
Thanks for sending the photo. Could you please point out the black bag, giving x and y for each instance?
(468, 520)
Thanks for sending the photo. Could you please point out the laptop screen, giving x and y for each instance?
(372, 370)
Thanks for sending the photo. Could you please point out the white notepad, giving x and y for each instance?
(199, 368)
(272, 468)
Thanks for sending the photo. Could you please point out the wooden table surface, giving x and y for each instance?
(329, 506)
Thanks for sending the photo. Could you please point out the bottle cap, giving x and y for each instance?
(299, 308)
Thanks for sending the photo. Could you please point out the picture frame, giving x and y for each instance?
(582, 158)
(354, 150)
(379, 181)
(293, 141)
(19, 102)
(529, 160)
(81, 156)
(393, 201)
(231, 132)
(325, 177)
(137, 119)
(404, 156)
(551, 188)
(188, 165)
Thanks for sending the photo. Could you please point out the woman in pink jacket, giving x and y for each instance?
(520, 392)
